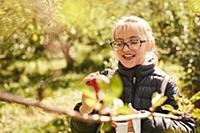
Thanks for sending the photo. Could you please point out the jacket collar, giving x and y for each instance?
(138, 71)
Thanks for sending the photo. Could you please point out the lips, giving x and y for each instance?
(128, 56)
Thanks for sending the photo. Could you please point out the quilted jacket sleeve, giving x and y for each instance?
(78, 126)
(158, 124)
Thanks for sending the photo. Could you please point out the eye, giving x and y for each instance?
(118, 43)
(134, 42)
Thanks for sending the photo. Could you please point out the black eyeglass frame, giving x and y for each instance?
(126, 43)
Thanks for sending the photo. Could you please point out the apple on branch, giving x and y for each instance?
(91, 81)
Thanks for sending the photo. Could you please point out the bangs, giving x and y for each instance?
(135, 25)
(137, 28)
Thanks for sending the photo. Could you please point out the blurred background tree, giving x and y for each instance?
(47, 46)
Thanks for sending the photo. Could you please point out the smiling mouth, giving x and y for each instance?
(128, 57)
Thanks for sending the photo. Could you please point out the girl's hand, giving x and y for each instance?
(90, 80)
(85, 107)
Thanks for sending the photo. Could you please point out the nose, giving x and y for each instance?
(126, 48)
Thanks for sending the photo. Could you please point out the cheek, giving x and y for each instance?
(141, 55)
(141, 51)
(117, 54)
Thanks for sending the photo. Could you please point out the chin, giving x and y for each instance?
(128, 65)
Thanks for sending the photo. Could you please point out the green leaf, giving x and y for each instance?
(196, 113)
(108, 100)
(170, 108)
(102, 84)
(87, 91)
(167, 107)
(106, 126)
(124, 110)
(157, 100)
(115, 86)
(195, 97)
(113, 91)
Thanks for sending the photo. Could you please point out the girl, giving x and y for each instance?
(134, 46)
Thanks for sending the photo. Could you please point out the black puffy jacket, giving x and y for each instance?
(139, 83)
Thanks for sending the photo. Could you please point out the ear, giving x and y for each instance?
(150, 45)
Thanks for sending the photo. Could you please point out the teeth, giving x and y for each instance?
(128, 57)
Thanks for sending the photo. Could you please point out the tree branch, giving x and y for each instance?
(7, 97)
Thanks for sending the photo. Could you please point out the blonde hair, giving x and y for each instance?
(140, 26)
(137, 24)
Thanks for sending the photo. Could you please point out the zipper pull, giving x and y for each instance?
(134, 80)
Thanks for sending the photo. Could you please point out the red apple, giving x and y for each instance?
(93, 83)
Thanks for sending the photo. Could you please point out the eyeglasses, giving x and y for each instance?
(131, 44)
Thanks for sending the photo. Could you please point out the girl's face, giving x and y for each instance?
(133, 47)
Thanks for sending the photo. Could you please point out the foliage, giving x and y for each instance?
(157, 100)
(39, 34)
(186, 107)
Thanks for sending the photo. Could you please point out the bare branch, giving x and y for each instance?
(7, 97)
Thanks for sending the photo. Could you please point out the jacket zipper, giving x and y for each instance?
(133, 91)
(134, 80)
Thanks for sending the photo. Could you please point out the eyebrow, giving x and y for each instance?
(131, 37)
(134, 37)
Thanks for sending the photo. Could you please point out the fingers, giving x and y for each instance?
(90, 77)
(84, 97)
(86, 107)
